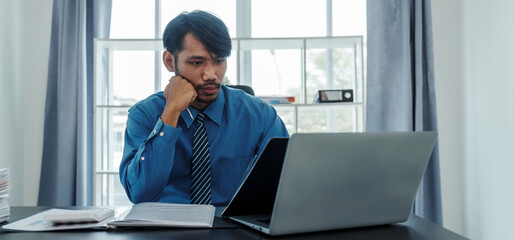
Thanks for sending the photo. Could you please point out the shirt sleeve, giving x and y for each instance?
(148, 157)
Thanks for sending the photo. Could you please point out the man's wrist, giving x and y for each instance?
(170, 116)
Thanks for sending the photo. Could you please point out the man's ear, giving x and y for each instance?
(169, 60)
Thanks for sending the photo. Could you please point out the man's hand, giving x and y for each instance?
(179, 94)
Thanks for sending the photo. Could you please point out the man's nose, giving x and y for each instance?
(209, 72)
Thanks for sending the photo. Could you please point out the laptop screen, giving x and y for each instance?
(257, 193)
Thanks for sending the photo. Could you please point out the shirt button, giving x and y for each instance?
(142, 158)
(154, 131)
(161, 134)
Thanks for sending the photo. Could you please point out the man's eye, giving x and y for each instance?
(195, 62)
(220, 60)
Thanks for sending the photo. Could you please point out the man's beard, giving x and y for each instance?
(210, 84)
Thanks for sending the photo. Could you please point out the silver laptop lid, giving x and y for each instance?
(341, 180)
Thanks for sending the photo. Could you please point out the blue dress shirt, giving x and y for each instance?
(156, 164)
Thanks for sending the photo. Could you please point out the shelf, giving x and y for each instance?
(318, 104)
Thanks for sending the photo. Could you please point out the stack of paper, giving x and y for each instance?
(4, 192)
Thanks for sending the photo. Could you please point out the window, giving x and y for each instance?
(277, 53)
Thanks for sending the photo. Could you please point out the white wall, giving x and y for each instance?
(446, 24)
(488, 73)
(25, 42)
(474, 70)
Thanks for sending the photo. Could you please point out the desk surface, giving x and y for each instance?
(414, 228)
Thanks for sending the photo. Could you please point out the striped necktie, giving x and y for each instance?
(201, 168)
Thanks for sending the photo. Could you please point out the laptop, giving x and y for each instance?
(332, 181)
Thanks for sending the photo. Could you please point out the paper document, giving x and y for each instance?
(4, 193)
(167, 215)
(149, 214)
(37, 222)
(4, 210)
(4, 182)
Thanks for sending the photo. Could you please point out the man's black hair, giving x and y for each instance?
(209, 30)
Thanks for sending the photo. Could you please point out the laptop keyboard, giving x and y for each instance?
(266, 221)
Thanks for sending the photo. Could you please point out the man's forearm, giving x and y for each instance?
(147, 162)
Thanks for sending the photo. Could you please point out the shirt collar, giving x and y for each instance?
(214, 111)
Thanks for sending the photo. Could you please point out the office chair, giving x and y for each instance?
(247, 89)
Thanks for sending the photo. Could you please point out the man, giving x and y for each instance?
(194, 142)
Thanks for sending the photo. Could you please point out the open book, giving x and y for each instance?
(166, 215)
(150, 214)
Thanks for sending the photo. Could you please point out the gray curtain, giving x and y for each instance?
(400, 83)
(67, 164)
